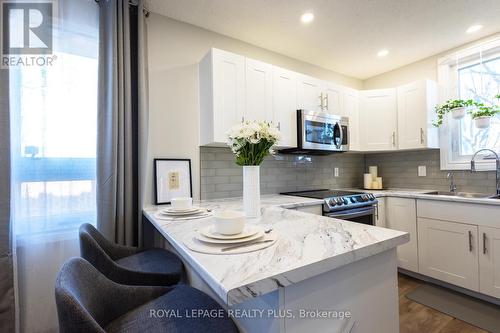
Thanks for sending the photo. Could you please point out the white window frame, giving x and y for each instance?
(448, 89)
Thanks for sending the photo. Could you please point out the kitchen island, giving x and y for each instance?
(322, 274)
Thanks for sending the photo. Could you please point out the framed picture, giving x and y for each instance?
(172, 179)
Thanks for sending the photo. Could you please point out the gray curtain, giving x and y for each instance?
(7, 305)
(122, 119)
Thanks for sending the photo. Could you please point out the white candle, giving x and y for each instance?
(368, 180)
(373, 171)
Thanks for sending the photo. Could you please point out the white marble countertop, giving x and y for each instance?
(308, 245)
(424, 194)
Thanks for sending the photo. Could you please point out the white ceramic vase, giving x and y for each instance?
(251, 190)
(482, 122)
(458, 113)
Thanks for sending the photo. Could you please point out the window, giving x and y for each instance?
(470, 74)
(54, 128)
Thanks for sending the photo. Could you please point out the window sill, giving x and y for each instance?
(480, 166)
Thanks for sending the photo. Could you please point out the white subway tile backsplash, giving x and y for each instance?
(399, 170)
(221, 177)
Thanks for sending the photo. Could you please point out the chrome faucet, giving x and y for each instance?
(473, 166)
(451, 177)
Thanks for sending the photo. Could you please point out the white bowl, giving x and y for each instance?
(229, 222)
(181, 203)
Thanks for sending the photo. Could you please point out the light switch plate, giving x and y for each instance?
(422, 171)
(335, 172)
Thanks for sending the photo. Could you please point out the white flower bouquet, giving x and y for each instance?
(251, 141)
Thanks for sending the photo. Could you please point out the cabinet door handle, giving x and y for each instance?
(470, 241)
(326, 104)
(242, 119)
(484, 243)
(321, 101)
(421, 135)
(394, 138)
(279, 125)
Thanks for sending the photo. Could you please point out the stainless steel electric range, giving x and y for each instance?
(346, 205)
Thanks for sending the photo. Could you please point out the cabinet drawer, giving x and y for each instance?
(485, 215)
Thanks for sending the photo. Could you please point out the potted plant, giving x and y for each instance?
(482, 115)
(457, 107)
(251, 142)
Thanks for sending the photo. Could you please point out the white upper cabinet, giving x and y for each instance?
(378, 114)
(309, 93)
(234, 88)
(333, 99)
(285, 105)
(222, 94)
(258, 90)
(416, 102)
(351, 110)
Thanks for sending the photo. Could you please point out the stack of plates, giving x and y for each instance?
(208, 241)
(170, 214)
(184, 212)
(250, 233)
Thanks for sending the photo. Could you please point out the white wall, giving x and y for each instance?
(423, 69)
(175, 49)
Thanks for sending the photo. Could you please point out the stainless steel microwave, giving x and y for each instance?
(320, 133)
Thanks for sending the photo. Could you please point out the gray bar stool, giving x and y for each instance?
(129, 265)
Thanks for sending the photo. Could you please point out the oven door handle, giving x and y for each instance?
(353, 214)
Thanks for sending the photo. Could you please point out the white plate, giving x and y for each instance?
(248, 231)
(229, 241)
(171, 212)
(194, 244)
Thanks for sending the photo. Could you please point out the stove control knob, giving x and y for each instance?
(339, 201)
(372, 197)
(345, 201)
(332, 202)
(353, 200)
(364, 197)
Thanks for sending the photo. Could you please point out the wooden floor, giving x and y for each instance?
(417, 318)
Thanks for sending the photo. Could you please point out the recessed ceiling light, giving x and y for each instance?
(382, 53)
(307, 17)
(473, 28)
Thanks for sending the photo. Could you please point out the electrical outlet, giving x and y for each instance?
(422, 171)
(335, 172)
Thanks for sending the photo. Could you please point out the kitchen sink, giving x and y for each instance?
(465, 194)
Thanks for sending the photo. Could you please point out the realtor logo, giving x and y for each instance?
(26, 28)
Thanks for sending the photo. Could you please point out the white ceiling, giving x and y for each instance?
(345, 34)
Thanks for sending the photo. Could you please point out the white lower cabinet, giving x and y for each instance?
(401, 214)
(489, 261)
(448, 251)
(380, 213)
